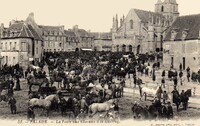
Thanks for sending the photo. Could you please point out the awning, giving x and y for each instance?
(86, 49)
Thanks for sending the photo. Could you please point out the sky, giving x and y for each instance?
(93, 15)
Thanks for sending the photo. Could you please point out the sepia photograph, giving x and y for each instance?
(100, 62)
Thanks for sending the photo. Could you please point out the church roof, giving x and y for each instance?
(189, 24)
(145, 15)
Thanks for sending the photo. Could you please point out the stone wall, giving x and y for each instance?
(179, 50)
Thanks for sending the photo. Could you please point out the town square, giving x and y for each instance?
(146, 67)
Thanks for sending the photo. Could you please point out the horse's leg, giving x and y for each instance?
(30, 86)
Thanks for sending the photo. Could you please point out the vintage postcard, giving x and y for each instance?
(100, 62)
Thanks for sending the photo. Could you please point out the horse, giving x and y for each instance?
(32, 67)
(44, 103)
(37, 81)
(101, 107)
(145, 91)
(139, 112)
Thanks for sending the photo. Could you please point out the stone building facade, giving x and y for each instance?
(143, 31)
(84, 39)
(182, 43)
(102, 41)
(21, 43)
(53, 38)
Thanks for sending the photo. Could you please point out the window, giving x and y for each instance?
(10, 46)
(131, 24)
(29, 49)
(173, 35)
(184, 35)
(123, 48)
(60, 44)
(14, 61)
(23, 47)
(130, 48)
(15, 44)
(162, 9)
(2, 45)
(6, 59)
(36, 50)
(117, 48)
(6, 46)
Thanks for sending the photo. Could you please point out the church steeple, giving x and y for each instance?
(169, 9)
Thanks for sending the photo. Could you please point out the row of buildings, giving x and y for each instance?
(25, 41)
(140, 31)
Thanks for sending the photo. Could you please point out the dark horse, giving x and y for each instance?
(37, 81)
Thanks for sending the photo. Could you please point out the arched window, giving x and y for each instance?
(130, 48)
(162, 9)
(131, 24)
(123, 48)
(117, 48)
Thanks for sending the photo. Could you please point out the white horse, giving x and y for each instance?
(44, 103)
(35, 67)
(150, 91)
(101, 107)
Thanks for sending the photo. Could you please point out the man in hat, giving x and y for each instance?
(12, 103)
(30, 113)
(163, 111)
(169, 111)
(75, 107)
(83, 104)
(165, 97)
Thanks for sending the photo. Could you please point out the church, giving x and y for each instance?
(143, 31)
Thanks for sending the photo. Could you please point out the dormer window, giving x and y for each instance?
(184, 34)
(173, 35)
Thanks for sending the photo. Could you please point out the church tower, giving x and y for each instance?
(168, 8)
(115, 26)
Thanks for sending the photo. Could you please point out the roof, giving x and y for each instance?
(189, 24)
(21, 30)
(145, 15)
(83, 33)
(69, 33)
(100, 35)
(50, 28)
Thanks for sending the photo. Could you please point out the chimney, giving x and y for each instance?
(2, 26)
(121, 20)
(75, 28)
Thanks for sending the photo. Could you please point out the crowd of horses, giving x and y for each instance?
(86, 74)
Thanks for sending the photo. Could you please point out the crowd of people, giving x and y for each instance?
(105, 67)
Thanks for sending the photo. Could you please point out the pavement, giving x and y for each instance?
(194, 86)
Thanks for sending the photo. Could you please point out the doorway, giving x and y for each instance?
(183, 63)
